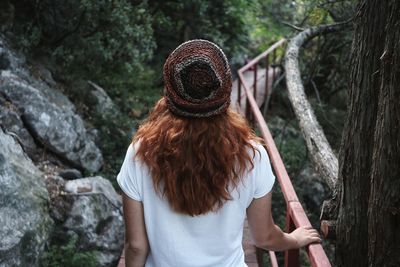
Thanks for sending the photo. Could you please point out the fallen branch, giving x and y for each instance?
(321, 152)
(297, 28)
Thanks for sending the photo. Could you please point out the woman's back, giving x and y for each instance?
(194, 170)
(211, 239)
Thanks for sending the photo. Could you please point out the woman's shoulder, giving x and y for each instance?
(133, 147)
(256, 143)
(131, 152)
(260, 151)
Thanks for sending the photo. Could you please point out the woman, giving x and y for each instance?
(195, 170)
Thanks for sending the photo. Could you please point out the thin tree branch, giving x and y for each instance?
(297, 28)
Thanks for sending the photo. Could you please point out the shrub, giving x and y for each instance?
(68, 256)
(91, 38)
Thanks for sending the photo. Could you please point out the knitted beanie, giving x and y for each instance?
(197, 80)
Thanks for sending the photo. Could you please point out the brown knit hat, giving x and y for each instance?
(197, 80)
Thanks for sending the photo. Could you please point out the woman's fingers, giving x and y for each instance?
(315, 238)
(313, 234)
(306, 235)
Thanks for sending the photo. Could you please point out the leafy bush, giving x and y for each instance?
(223, 22)
(92, 38)
(69, 256)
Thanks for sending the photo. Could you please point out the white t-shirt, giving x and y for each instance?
(213, 239)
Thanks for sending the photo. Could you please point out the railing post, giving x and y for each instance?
(266, 76)
(248, 112)
(239, 91)
(255, 82)
(291, 256)
(274, 64)
(260, 256)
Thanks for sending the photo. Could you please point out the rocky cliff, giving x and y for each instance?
(42, 137)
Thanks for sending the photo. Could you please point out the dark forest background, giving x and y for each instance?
(121, 45)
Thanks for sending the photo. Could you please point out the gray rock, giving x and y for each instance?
(53, 95)
(46, 76)
(96, 217)
(59, 205)
(47, 114)
(24, 219)
(70, 174)
(61, 131)
(10, 59)
(104, 106)
(95, 135)
(11, 122)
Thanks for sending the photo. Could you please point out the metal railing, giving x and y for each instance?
(295, 215)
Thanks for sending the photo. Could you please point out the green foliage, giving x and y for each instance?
(294, 153)
(266, 20)
(318, 15)
(69, 256)
(290, 143)
(139, 92)
(90, 38)
(324, 67)
(270, 19)
(223, 22)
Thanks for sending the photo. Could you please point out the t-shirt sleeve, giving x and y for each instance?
(128, 177)
(263, 176)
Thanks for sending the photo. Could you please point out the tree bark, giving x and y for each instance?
(384, 199)
(368, 226)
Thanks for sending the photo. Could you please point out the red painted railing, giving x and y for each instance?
(295, 215)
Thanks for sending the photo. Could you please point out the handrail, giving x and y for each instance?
(262, 55)
(295, 215)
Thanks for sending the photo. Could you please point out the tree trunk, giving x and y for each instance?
(368, 230)
(384, 199)
(320, 150)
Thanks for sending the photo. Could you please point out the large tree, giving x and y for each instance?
(368, 230)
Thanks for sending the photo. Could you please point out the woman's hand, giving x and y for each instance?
(268, 236)
(305, 235)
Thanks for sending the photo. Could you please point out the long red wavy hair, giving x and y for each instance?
(195, 163)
